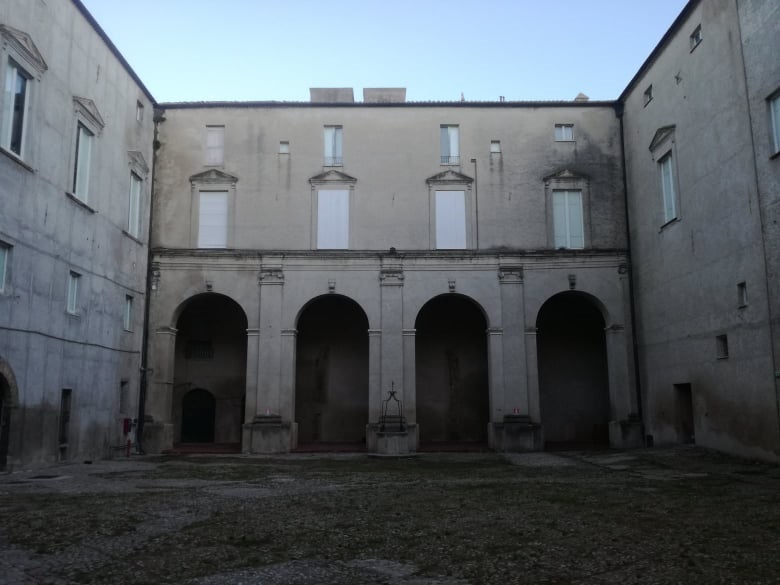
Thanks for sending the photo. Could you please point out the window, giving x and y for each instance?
(648, 96)
(212, 224)
(334, 144)
(774, 114)
(73, 292)
(695, 37)
(667, 187)
(124, 397)
(5, 256)
(81, 166)
(128, 314)
(332, 219)
(65, 399)
(722, 346)
(450, 220)
(564, 132)
(742, 298)
(215, 145)
(139, 112)
(134, 206)
(15, 106)
(495, 146)
(284, 147)
(568, 228)
(449, 145)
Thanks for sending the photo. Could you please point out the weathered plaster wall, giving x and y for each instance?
(51, 234)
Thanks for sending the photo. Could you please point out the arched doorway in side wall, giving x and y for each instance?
(451, 372)
(5, 419)
(573, 380)
(210, 371)
(331, 373)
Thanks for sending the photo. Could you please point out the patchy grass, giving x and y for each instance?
(476, 518)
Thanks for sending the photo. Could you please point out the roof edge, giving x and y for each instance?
(112, 47)
(457, 104)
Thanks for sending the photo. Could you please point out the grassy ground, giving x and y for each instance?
(642, 517)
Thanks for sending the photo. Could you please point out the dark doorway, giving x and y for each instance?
(5, 420)
(198, 410)
(210, 353)
(331, 388)
(451, 372)
(573, 378)
(685, 425)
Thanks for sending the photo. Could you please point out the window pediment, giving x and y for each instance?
(88, 110)
(331, 177)
(449, 177)
(661, 135)
(213, 176)
(24, 45)
(566, 175)
(137, 161)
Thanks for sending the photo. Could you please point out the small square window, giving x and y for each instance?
(695, 37)
(722, 346)
(774, 118)
(564, 132)
(495, 146)
(742, 298)
(139, 112)
(73, 292)
(128, 314)
(648, 94)
(284, 147)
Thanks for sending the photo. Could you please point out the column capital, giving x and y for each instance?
(252, 332)
(408, 332)
(374, 332)
(510, 274)
(494, 331)
(165, 330)
(391, 276)
(289, 332)
(270, 275)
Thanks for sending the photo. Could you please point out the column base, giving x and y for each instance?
(158, 436)
(626, 434)
(391, 442)
(267, 433)
(516, 433)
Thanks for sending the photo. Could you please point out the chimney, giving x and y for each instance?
(331, 95)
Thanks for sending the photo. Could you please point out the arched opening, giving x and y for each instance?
(5, 419)
(573, 381)
(331, 376)
(451, 372)
(210, 353)
(198, 410)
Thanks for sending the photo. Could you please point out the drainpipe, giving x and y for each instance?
(476, 206)
(158, 119)
(619, 110)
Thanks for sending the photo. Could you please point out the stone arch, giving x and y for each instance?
(573, 369)
(184, 303)
(211, 353)
(13, 389)
(331, 371)
(9, 400)
(451, 370)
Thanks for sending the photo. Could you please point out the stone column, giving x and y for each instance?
(252, 373)
(410, 386)
(512, 321)
(158, 429)
(532, 373)
(495, 347)
(374, 374)
(625, 429)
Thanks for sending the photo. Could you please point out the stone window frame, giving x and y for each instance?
(212, 180)
(137, 166)
(86, 115)
(664, 147)
(566, 180)
(331, 180)
(451, 180)
(18, 47)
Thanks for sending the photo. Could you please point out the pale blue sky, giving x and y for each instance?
(192, 50)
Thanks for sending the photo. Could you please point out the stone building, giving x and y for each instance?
(309, 258)
(701, 128)
(385, 273)
(76, 137)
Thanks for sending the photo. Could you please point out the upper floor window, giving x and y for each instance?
(648, 95)
(139, 112)
(449, 142)
(127, 317)
(450, 220)
(334, 146)
(134, 206)
(332, 219)
(774, 116)
(666, 168)
(568, 229)
(495, 147)
(212, 219)
(695, 37)
(81, 166)
(73, 292)
(215, 145)
(5, 256)
(15, 106)
(564, 132)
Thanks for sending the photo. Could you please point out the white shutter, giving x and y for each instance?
(574, 216)
(215, 144)
(451, 220)
(134, 205)
(559, 219)
(454, 142)
(333, 220)
(83, 155)
(8, 105)
(568, 228)
(212, 226)
(667, 186)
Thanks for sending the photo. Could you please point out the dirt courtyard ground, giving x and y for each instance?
(649, 516)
